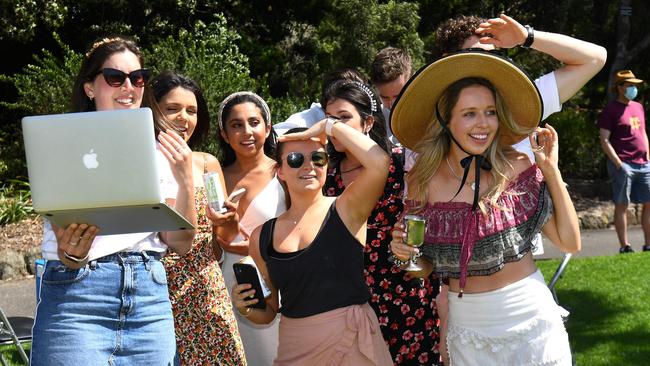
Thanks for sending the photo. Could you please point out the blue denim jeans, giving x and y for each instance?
(114, 311)
(631, 183)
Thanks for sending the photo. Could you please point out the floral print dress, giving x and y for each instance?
(405, 306)
(206, 329)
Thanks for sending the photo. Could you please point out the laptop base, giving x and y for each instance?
(123, 219)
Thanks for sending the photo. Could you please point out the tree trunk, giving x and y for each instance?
(622, 36)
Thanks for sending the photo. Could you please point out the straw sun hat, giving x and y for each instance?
(416, 105)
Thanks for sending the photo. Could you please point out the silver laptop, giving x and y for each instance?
(98, 168)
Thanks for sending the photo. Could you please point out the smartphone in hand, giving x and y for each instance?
(236, 195)
(246, 272)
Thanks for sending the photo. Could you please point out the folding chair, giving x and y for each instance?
(558, 275)
(15, 330)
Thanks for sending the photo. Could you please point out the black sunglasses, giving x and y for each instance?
(296, 159)
(116, 78)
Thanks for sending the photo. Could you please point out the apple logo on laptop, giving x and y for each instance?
(90, 160)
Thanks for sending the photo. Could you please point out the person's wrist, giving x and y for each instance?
(245, 313)
(530, 37)
(72, 261)
(329, 123)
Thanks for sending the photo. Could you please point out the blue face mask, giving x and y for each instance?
(631, 92)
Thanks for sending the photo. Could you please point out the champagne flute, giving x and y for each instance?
(415, 227)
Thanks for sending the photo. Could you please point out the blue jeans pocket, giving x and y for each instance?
(59, 274)
(158, 273)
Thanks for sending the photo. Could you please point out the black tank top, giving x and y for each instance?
(326, 275)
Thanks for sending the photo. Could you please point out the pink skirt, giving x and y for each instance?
(340, 337)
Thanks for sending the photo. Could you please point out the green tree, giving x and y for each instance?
(348, 35)
(209, 55)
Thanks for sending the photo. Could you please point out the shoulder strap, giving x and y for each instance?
(205, 163)
(266, 238)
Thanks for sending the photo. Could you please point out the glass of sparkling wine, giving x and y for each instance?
(415, 227)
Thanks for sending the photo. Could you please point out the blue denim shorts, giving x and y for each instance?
(113, 311)
(631, 183)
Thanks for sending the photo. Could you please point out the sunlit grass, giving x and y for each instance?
(609, 301)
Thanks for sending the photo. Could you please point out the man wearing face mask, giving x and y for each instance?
(625, 142)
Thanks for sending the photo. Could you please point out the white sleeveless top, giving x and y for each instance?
(260, 341)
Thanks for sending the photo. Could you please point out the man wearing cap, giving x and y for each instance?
(624, 141)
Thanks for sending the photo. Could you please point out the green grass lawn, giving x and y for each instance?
(11, 354)
(609, 301)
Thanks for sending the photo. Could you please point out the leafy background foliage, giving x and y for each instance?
(281, 50)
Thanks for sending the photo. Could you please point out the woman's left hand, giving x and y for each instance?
(218, 218)
(317, 131)
(179, 156)
(544, 142)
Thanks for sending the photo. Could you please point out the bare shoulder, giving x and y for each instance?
(200, 158)
(520, 162)
(254, 240)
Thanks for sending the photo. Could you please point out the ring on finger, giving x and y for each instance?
(73, 243)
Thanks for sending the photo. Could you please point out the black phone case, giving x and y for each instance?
(246, 273)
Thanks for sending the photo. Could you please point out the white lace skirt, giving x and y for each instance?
(519, 324)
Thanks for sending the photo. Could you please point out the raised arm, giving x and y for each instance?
(179, 156)
(225, 226)
(581, 60)
(563, 228)
(360, 197)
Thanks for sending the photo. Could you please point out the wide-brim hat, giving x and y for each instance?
(415, 107)
(627, 76)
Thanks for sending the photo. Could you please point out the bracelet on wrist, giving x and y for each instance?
(246, 312)
(329, 123)
(530, 37)
(75, 259)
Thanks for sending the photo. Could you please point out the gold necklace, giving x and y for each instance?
(471, 185)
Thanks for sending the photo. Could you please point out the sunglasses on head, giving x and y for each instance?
(296, 159)
(116, 78)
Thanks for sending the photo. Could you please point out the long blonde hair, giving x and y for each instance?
(435, 146)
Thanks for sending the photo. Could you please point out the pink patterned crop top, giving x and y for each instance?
(463, 243)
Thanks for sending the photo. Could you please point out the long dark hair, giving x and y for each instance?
(168, 81)
(228, 155)
(362, 100)
(100, 51)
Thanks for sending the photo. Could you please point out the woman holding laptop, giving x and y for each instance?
(104, 299)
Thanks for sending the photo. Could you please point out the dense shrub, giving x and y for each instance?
(15, 202)
(43, 87)
(206, 53)
(580, 153)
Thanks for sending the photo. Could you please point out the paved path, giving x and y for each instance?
(17, 297)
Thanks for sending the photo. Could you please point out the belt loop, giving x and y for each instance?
(145, 260)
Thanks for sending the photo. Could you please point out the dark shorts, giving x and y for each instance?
(631, 183)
